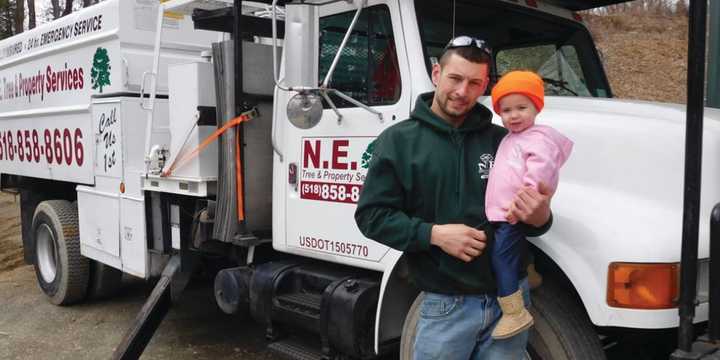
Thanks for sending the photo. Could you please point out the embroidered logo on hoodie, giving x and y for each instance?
(486, 163)
(368, 155)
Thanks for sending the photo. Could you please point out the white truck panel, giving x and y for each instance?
(108, 139)
(62, 77)
(112, 213)
(48, 76)
(329, 160)
(134, 255)
(98, 214)
(60, 145)
(192, 85)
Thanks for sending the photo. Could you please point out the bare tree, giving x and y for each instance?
(655, 7)
(681, 8)
(7, 18)
(31, 14)
(68, 7)
(19, 16)
(55, 8)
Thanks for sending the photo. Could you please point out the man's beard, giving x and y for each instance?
(454, 114)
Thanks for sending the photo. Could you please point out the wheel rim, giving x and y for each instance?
(46, 253)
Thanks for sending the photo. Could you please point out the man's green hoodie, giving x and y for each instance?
(425, 172)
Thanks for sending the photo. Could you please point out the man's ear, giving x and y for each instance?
(487, 78)
(436, 70)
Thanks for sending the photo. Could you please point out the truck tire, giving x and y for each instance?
(61, 271)
(407, 339)
(562, 329)
(104, 281)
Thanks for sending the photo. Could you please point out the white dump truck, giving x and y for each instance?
(151, 139)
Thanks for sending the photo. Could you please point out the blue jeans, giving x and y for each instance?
(460, 328)
(506, 257)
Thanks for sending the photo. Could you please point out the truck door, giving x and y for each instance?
(331, 159)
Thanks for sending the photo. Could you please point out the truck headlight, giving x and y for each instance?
(643, 286)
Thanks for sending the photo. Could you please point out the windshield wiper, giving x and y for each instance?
(561, 84)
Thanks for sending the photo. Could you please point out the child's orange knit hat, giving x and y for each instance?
(519, 82)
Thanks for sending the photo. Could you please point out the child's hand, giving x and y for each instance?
(530, 206)
(511, 218)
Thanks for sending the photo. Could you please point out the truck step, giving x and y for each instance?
(307, 303)
(295, 350)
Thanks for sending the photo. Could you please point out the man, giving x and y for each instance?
(425, 194)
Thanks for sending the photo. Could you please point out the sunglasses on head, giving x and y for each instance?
(467, 41)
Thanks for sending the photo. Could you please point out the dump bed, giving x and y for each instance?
(49, 75)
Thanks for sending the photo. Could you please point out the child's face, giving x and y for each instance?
(517, 112)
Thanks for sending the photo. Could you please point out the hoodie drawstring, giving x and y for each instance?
(458, 140)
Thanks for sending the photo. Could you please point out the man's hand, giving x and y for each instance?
(530, 206)
(460, 241)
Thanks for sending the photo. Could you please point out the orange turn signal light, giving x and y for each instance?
(643, 286)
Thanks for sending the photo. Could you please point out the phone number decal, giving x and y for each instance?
(62, 147)
(338, 247)
(345, 193)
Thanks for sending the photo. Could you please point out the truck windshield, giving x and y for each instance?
(560, 50)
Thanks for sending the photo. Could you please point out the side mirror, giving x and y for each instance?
(304, 110)
(301, 46)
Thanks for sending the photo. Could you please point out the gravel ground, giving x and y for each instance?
(11, 255)
(32, 328)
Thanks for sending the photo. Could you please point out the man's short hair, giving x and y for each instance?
(469, 53)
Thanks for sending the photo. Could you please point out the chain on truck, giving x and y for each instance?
(153, 138)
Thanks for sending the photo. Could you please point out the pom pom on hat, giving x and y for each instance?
(519, 82)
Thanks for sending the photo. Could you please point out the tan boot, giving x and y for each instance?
(515, 317)
(534, 277)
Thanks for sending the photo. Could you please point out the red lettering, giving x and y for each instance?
(63, 80)
(80, 76)
(338, 154)
(312, 154)
(48, 76)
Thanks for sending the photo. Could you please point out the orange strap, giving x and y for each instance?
(180, 162)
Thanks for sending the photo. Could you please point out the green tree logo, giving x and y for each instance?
(367, 155)
(101, 69)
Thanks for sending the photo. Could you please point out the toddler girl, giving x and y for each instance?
(527, 156)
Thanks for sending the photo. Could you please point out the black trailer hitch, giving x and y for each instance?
(167, 290)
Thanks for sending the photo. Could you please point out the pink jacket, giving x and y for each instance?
(527, 158)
